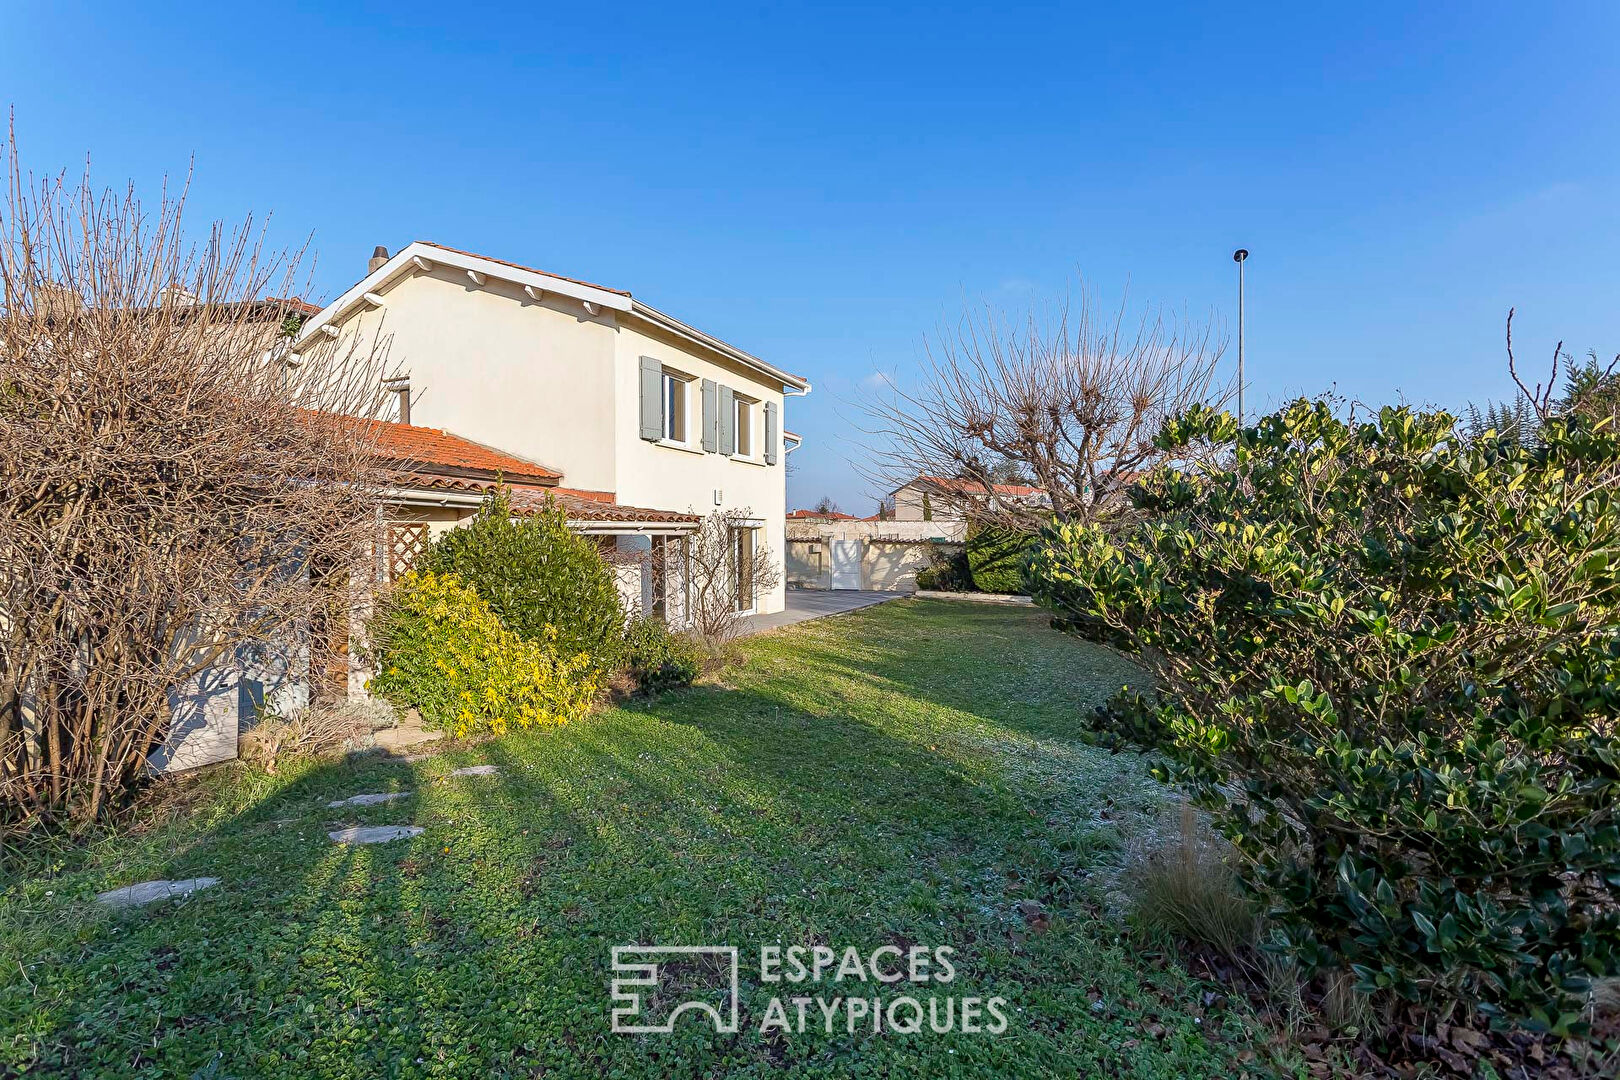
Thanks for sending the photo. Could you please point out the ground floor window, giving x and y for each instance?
(743, 541)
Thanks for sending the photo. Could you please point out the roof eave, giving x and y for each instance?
(730, 352)
(405, 263)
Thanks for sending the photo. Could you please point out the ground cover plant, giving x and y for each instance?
(1390, 661)
(905, 774)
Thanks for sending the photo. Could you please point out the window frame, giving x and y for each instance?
(739, 427)
(671, 377)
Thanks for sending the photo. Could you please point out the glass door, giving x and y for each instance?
(743, 564)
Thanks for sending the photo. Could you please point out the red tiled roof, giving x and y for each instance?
(520, 266)
(581, 505)
(599, 506)
(428, 450)
(969, 487)
(831, 515)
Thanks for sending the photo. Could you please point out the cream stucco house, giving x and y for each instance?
(589, 382)
(636, 423)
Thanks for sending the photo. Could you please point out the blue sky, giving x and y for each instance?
(823, 185)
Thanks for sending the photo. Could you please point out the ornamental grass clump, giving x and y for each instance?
(1387, 663)
(440, 649)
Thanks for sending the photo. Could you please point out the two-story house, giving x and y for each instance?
(636, 423)
(589, 382)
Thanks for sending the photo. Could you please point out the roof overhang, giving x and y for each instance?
(435, 498)
(418, 257)
(669, 323)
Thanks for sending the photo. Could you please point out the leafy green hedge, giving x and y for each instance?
(1391, 671)
(659, 659)
(537, 576)
(949, 572)
(996, 556)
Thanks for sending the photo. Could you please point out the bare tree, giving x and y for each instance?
(1068, 403)
(827, 506)
(178, 485)
(723, 574)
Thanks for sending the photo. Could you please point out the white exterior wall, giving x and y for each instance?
(669, 478)
(908, 505)
(549, 382)
(210, 712)
(491, 365)
(891, 551)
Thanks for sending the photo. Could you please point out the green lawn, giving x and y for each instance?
(903, 775)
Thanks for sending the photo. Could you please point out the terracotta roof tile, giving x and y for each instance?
(429, 450)
(969, 487)
(831, 515)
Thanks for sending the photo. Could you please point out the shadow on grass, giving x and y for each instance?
(806, 804)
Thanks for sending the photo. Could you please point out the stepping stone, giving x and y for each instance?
(368, 800)
(374, 834)
(148, 891)
(475, 770)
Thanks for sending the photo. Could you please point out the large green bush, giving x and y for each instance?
(947, 571)
(659, 659)
(1388, 662)
(996, 557)
(439, 648)
(537, 576)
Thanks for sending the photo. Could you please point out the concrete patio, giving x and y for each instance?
(806, 604)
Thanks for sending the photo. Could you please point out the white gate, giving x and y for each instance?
(844, 563)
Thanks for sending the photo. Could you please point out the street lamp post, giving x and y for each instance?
(1238, 256)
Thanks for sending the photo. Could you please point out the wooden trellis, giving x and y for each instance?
(405, 543)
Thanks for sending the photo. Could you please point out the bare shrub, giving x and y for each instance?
(716, 572)
(1068, 403)
(174, 478)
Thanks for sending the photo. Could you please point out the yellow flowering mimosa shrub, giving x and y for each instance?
(440, 649)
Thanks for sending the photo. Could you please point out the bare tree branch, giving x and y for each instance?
(177, 488)
(1071, 403)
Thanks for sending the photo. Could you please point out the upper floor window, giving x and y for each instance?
(676, 391)
(745, 427)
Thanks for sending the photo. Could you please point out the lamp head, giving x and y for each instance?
(1240, 254)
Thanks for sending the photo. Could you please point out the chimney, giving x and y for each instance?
(401, 385)
(379, 255)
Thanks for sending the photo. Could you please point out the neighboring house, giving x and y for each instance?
(884, 552)
(937, 498)
(588, 381)
(820, 515)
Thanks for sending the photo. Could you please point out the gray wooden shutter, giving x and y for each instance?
(652, 399)
(728, 421)
(770, 433)
(711, 416)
